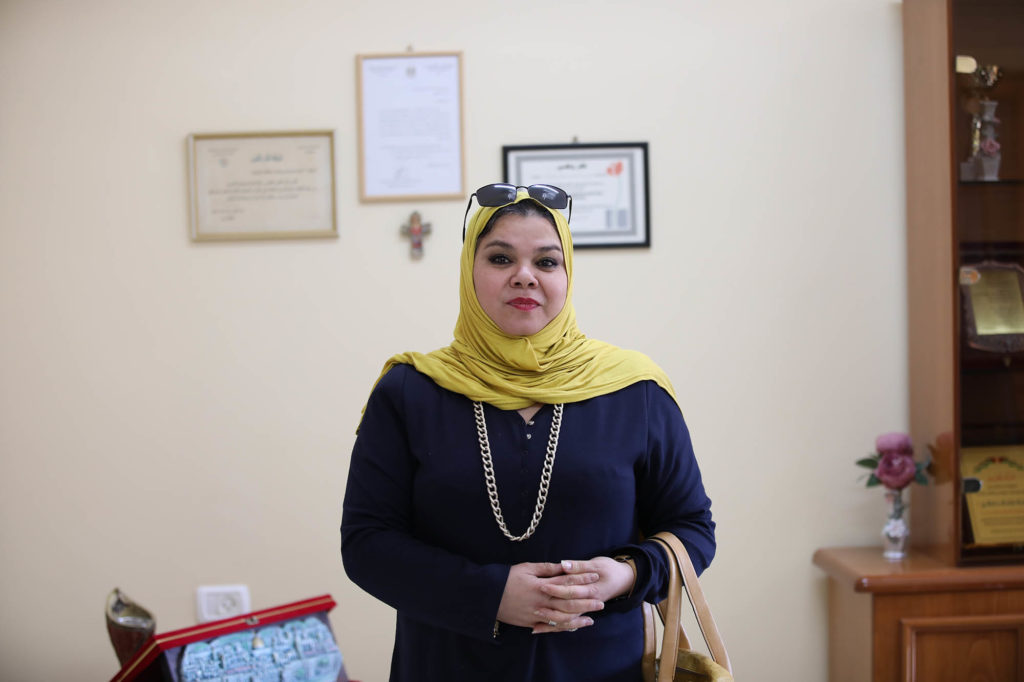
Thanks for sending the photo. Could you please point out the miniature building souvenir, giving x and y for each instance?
(289, 643)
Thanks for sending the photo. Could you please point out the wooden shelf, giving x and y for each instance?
(866, 570)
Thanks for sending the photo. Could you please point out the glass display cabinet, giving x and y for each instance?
(954, 608)
(964, 85)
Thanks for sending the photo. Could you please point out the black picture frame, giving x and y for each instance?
(608, 182)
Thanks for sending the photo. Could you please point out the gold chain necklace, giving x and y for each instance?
(545, 477)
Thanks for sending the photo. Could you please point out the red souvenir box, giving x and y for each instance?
(281, 644)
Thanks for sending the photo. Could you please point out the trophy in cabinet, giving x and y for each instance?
(985, 157)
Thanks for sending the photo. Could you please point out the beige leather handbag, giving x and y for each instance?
(677, 661)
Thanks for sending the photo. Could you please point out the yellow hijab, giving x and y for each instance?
(558, 364)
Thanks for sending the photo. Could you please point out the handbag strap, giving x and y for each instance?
(683, 576)
(647, 662)
(671, 614)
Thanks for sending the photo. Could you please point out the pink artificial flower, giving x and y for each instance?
(989, 147)
(896, 443)
(895, 469)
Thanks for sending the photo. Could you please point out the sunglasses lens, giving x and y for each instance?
(496, 195)
(549, 195)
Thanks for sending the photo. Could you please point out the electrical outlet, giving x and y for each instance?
(214, 602)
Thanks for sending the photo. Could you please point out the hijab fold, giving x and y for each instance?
(558, 364)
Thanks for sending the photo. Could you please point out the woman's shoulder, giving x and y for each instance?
(646, 401)
(404, 378)
(395, 375)
(619, 354)
(647, 390)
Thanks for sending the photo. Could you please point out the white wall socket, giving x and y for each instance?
(214, 602)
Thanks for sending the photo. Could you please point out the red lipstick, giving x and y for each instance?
(523, 303)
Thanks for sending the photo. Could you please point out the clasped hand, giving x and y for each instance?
(539, 594)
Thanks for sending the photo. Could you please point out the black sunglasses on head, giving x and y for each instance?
(502, 193)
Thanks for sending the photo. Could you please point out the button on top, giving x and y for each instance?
(529, 423)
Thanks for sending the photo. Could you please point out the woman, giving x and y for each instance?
(499, 487)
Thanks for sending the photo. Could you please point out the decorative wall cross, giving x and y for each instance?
(415, 230)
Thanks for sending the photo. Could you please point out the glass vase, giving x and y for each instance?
(990, 166)
(895, 533)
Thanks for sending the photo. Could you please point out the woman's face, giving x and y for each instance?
(519, 274)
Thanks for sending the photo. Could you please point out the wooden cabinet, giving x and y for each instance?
(921, 620)
(953, 610)
(961, 396)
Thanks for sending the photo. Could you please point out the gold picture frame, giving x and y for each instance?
(411, 138)
(261, 185)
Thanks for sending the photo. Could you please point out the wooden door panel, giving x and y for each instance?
(957, 648)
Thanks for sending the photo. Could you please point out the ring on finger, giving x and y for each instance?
(552, 623)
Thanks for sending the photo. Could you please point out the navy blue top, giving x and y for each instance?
(418, 531)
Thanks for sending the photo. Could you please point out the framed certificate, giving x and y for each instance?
(607, 182)
(993, 306)
(261, 185)
(994, 490)
(410, 126)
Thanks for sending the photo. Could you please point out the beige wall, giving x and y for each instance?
(175, 414)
